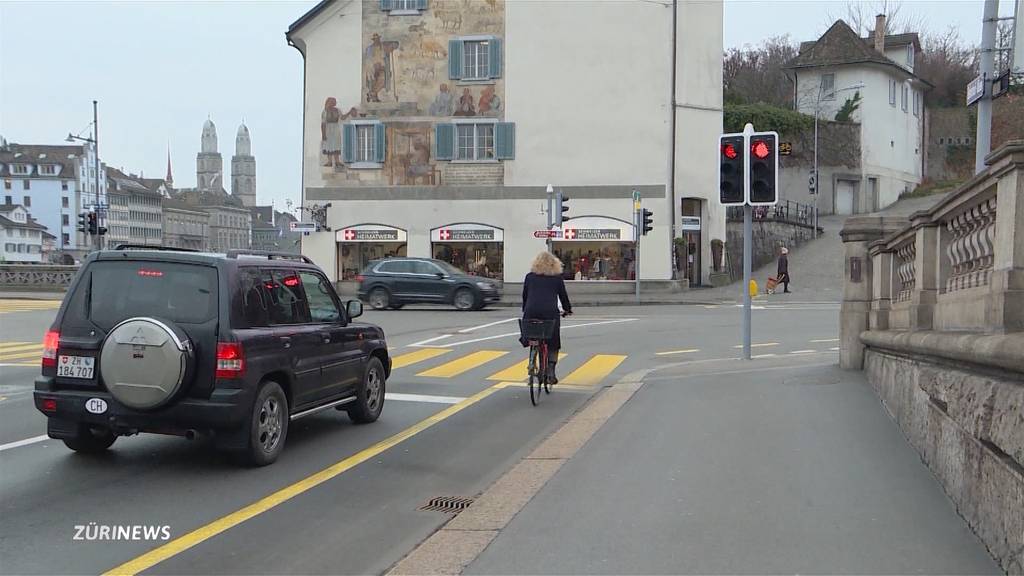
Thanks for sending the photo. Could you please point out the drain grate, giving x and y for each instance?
(447, 504)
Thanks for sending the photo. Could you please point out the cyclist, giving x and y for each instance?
(543, 288)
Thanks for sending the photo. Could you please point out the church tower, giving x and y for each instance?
(209, 164)
(243, 169)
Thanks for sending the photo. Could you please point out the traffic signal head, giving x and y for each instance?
(647, 221)
(561, 207)
(730, 173)
(764, 168)
(93, 223)
(83, 222)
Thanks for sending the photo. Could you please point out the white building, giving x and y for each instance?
(891, 110)
(433, 127)
(54, 183)
(21, 237)
(136, 210)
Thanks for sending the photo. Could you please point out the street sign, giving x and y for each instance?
(1001, 85)
(547, 234)
(975, 90)
(636, 195)
(812, 183)
(691, 224)
(302, 226)
(785, 148)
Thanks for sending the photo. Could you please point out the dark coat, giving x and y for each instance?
(784, 267)
(541, 295)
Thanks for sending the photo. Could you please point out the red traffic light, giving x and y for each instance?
(760, 149)
(729, 151)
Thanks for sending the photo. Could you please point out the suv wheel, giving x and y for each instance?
(464, 299)
(370, 396)
(269, 426)
(90, 439)
(379, 299)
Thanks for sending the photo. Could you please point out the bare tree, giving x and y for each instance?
(949, 65)
(860, 15)
(755, 74)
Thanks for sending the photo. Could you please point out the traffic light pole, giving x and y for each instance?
(551, 214)
(748, 227)
(638, 220)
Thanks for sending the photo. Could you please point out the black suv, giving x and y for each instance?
(394, 282)
(231, 346)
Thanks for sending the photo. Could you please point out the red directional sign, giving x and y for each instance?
(545, 233)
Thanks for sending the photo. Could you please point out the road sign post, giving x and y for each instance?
(551, 216)
(637, 226)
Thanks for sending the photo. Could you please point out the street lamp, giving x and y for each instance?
(817, 112)
(95, 141)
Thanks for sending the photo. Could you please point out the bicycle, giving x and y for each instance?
(537, 332)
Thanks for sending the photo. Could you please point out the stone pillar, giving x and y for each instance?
(854, 313)
(1006, 306)
(922, 302)
(881, 285)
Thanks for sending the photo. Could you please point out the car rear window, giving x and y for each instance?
(185, 293)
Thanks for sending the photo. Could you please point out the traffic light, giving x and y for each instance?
(730, 173)
(764, 168)
(93, 223)
(561, 207)
(103, 230)
(83, 222)
(647, 219)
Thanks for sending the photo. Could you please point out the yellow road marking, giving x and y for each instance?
(517, 371)
(418, 356)
(204, 533)
(464, 364)
(762, 345)
(21, 355)
(671, 352)
(19, 346)
(594, 370)
(27, 364)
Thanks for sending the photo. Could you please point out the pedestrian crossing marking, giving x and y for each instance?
(14, 305)
(418, 356)
(594, 370)
(516, 372)
(21, 355)
(464, 364)
(19, 351)
(762, 345)
(672, 352)
(826, 340)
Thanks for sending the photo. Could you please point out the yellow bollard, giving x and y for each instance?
(753, 288)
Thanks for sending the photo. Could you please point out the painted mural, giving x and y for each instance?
(406, 84)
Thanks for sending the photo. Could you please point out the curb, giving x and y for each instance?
(457, 543)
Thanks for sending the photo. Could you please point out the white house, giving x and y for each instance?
(837, 67)
(433, 128)
(21, 237)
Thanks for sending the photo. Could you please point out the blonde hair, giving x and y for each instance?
(545, 264)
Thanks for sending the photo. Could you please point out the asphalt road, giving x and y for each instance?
(342, 499)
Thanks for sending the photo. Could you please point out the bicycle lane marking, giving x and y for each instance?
(208, 531)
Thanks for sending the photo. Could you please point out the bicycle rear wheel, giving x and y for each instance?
(546, 371)
(534, 375)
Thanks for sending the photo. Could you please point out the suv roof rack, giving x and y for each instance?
(269, 255)
(158, 248)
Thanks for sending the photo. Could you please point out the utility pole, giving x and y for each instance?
(983, 139)
(637, 228)
(748, 226)
(551, 203)
(97, 239)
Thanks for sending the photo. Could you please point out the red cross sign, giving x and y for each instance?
(445, 234)
(569, 234)
(350, 234)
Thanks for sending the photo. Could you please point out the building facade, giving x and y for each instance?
(209, 164)
(185, 226)
(433, 128)
(229, 227)
(21, 237)
(55, 184)
(890, 109)
(243, 169)
(135, 215)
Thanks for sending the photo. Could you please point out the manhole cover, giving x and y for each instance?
(447, 504)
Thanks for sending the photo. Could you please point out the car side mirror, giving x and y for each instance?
(354, 308)
(440, 275)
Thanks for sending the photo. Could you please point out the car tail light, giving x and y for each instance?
(50, 343)
(230, 360)
(360, 277)
(49, 405)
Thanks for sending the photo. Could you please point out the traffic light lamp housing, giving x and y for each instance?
(732, 154)
(93, 223)
(764, 168)
(647, 221)
(83, 222)
(561, 208)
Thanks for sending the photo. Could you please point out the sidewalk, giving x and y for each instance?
(775, 466)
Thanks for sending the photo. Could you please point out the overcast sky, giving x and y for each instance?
(160, 68)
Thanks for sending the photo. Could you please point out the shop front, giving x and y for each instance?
(359, 245)
(597, 248)
(688, 250)
(478, 249)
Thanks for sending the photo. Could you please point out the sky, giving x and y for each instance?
(159, 69)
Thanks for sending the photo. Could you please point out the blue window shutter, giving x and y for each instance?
(455, 59)
(348, 146)
(444, 141)
(386, 6)
(494, 59)
(421, 4)
(505, 140)
(379, 142)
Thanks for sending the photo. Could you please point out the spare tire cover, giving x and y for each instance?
(145, 361)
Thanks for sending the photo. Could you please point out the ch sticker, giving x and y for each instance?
(96, 405)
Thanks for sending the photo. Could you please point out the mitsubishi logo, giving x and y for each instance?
(350, 234)
(445, 234)
(140, 337)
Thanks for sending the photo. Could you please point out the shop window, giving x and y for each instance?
(475, 141)
(596, 260)
(474, 58)
(364, 144)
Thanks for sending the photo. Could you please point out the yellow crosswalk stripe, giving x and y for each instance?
(18, 346)
(20, 355)
(516, 372)
(594, 370)
(464, 364)
(404, 360)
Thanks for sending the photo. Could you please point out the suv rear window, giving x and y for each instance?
(185, 293)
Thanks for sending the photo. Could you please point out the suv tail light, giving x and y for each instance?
(230, 360)
(360, 277)
(50, 343)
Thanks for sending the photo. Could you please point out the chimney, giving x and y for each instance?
(880, 33)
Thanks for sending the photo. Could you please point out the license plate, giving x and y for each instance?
(75, 367)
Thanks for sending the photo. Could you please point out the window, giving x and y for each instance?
(910, 55)
(19, 169)
(396, 267)
(8, 200)
(828, 86)
(10, 247)
(942, 141)
(474, 58)
(322, 307)
(967, 140)
(892, 92)
(182, 293)
(287, 303)
(903, 99)
(27, 202)
(65, 239)
(26, 184)
(917, 103)
(400, 7)
(47, 169)
(7, 185)
(254, 299)
(475, 141)
(65, 220)
(363, 146)
(64, 187)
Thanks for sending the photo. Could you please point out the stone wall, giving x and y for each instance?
(838, 158)
(30, 277)
(768, 237)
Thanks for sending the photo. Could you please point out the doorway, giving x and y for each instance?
(844, 197)
(688, 252)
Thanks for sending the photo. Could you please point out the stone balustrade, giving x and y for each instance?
(933, 311)
(36, 276)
